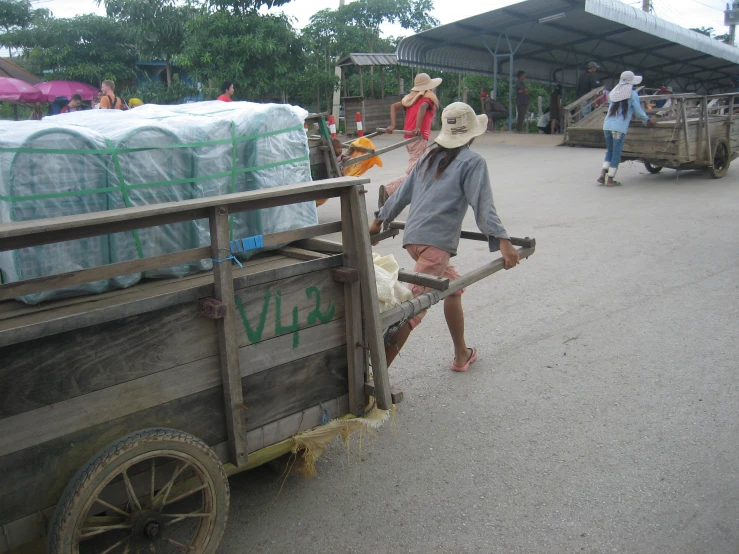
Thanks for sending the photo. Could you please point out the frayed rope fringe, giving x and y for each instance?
(312, 444)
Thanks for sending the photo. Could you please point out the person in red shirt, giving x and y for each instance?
(420, 106)
(75, 104)
(227, 91)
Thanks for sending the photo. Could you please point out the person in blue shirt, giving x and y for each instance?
(624, 104)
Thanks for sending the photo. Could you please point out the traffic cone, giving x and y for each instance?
(332, 126)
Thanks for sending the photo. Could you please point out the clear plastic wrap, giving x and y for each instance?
(107, 159)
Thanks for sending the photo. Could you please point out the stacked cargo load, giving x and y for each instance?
(91, 161)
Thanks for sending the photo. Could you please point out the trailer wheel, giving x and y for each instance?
(721, 159)
(155, 490)
(652, 168)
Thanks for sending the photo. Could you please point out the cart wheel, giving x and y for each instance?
(155, 490)
(721, 159)
(652, 168)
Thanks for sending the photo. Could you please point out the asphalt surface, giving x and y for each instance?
(603, 413)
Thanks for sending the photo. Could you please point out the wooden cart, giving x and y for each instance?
(323, 162)
(123, 414)
(692, 132)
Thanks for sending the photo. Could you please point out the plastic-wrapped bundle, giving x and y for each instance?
(34, 186)
(271, 151)
(148, 167)
(145, 156)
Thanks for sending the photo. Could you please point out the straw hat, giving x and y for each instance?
(423, 82)
(623, 89)
(459, 125)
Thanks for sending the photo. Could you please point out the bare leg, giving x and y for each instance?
(454, 315)
(397, 341)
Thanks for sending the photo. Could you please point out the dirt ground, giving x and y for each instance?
(603, 413)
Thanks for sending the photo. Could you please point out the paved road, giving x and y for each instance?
(603, 414)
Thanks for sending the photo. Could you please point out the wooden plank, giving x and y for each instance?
(320, 245)
(36, 322)
(47, 423)
(226, 334)
(301, 253)
(424, 280)
(356, 358)
(59, 229)
(302, 386)
(370, 304)
(13, 309)
(51, 282)
(61, 280)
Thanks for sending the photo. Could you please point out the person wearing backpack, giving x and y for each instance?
(108, 99)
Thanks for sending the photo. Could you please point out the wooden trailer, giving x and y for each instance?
(123, 414)
(692, 132)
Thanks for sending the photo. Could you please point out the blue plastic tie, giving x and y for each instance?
(325, 416)
(249, 243)
(231, 257)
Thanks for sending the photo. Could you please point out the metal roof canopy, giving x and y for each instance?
(9, 69)
(368, 59)
(552, 40)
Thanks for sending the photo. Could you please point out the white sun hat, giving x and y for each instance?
(623, 89)
(459, 125)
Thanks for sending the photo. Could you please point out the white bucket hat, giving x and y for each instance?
(423, 82)
(459, 125)
(623, 89)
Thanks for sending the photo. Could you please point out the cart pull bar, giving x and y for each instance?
(473, 235)
(426, 300)
(424, 280)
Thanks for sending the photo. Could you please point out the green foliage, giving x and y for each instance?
(156, 27)
(241, 7)
(262, 54)
(156, 92)
(87, 48)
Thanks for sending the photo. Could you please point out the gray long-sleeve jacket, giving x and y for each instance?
(438, 206)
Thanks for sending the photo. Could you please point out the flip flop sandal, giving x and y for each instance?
(471, 360)
(614, 184)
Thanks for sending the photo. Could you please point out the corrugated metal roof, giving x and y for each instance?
(554, 39)
(368, 59)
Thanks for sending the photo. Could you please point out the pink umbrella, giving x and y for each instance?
(52, 89)
(15, 90)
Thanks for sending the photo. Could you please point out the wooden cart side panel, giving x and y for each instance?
(35, 374)
(32, 528)
(34, 478)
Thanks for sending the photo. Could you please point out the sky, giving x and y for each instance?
(688, 13)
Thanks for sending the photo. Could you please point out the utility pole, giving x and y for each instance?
(646, 5)
(731, 18)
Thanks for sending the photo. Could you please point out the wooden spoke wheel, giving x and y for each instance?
(652, 168)
(154, 491)
(721, 159)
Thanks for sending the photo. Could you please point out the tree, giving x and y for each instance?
(262, 54)
(17, 14)
(86, 48)
(711, 32)
(157, 27)
(355, 27)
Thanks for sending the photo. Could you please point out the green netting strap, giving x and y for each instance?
(234, 164)
(126, 198)
(73, 193)
(112, 150)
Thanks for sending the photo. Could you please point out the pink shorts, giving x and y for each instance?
(431, 261)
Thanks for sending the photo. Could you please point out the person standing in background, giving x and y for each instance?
(108, 99)
(420, 105)
(522, 100)
(585, 84)
(555, 109)
(494, 110)
(75, 104)
(227, 91)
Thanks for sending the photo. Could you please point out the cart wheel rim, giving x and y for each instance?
(150, 520)
(721, 157)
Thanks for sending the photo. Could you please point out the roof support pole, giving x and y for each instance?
(511, 95)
